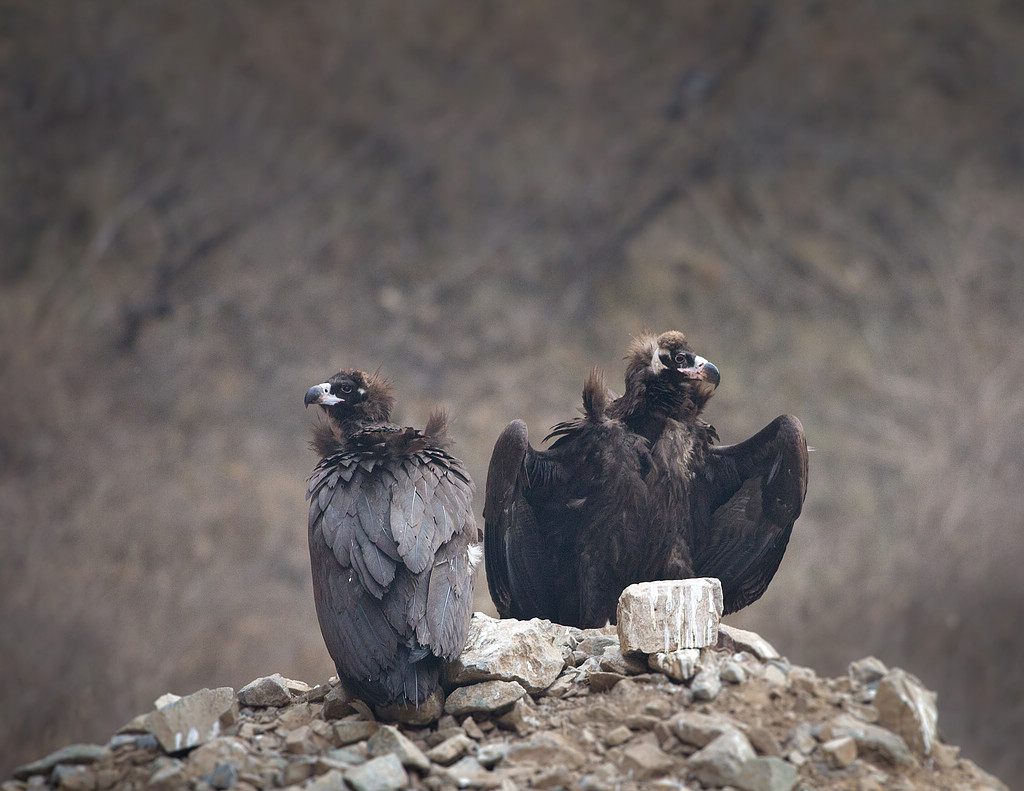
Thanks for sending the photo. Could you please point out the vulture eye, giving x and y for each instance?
(345, 388)
(684, 358)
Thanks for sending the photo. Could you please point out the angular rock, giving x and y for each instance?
(602, 682)
(871, 739)
(226, 750)
(612, 660)
(733, 673)
(427, 712)
(337, 703)
(706, 685)
(521, 718)
(194, 719)
(545, 749)
(532, 653)
(735, 640)
(73, 777)
(388, 740)
(168, 775)
(840, 753)
(490, 755)
(721, 761)
(617, 736)
(267, 691)
(766, 774)
(667, 615)
(470, 773)
(349, 731)
(332, 780)
(681, 665)
(906, 708)
(385, 773)
(451, 750)
(490, 696)
(299, 741)
(867, 670)
(643, 761)
(698, 729)
(72, 754)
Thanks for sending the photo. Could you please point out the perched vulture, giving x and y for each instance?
(636, 490)
(392, 542)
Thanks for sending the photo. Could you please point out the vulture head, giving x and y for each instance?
(353, 396)
(664, 376)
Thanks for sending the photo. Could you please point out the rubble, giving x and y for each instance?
(735, 714)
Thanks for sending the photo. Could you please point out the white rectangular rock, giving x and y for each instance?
(667, 615)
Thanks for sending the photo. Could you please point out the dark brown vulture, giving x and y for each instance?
(392, 541)
(636, 490)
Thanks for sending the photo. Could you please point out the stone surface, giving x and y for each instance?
(706, 685)
(389, 740)
(766, 774)
(337, 703)
(267, 691)
(470, 773)
(349, 731)
(867, 670)
(532, 653)
(907, 709)
(681, 665)
(385, 773)
(736, 640)
(721, 761)
(667, 615)
(698, 729)
(487, 696)
(451, 750)
(545, 749)
(840, 753)
(871, 739)
(73, 777)
(72, 754)
(644, 761)
(228, 750)
(194, 719)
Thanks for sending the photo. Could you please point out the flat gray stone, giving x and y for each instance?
(767, 774)
(73, 777)
(721, 761)
(907, 709)
(267, 691)
(389, 740)
(490, 696)
(470, 773)
(546, 749)
(72, 754)
(667, 615)
(194, 719)
(451, 750)
(385, 773)
(644, 761)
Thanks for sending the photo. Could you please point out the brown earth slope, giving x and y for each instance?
(208, 207)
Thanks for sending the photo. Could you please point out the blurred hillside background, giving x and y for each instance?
(209, 207)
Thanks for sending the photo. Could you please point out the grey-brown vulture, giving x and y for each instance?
(392, 542)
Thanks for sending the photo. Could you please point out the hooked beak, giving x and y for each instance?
(703, 369)
(321, 394)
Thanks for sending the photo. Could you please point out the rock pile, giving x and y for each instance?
(537, 705)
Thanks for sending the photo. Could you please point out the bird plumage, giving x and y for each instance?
(635, 489)
(392, 542)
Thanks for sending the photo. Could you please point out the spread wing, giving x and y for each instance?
(389, 542)
(755, 490)
(566, 527)
(521, 562)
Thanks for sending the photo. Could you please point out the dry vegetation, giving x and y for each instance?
(208, 208)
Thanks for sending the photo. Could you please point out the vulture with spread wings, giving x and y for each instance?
(636, 490)
(392, 542)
